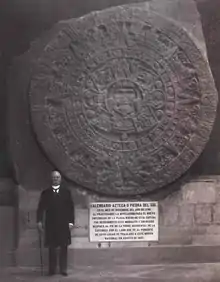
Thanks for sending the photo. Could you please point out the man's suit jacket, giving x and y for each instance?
(56, 211)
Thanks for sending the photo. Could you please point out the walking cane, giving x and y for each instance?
(41, 255)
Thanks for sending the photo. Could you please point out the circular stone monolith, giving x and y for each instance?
(122, 101)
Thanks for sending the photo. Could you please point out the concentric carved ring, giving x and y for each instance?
(122, 101)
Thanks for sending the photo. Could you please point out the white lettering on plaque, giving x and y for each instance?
(123, 221)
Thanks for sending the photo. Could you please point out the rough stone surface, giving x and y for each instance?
(171, 235)
(186, 215)
(169, 214)
(213, 229)
(200, 192)
(218, 190)
(82, 223)
(216, 214)
(203, 214)
(203, 240)
(122, 101)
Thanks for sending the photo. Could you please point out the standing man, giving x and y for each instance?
(57, 208)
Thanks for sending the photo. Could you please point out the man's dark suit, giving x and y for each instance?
(58, 209)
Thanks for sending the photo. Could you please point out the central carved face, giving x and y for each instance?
(122, 96)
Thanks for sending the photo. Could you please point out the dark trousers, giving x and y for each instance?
(62, 259)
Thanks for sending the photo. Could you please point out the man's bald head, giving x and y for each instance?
(56, 178)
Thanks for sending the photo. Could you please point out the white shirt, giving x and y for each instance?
(56, 188)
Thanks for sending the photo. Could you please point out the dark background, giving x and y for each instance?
(23, 20)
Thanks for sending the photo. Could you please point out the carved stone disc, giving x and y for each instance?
(122, 101)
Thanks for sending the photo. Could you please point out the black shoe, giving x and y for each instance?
(64, 273)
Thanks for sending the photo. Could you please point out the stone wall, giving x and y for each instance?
(189, 220)
(191, 216)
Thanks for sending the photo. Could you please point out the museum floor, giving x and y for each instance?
(154, 273)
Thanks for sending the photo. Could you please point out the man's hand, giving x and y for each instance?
(71, 225)
(40, 226)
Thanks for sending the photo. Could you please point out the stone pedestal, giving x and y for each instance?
(188, 232)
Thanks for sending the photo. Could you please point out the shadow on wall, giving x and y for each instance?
(22, 20)
(209, 161)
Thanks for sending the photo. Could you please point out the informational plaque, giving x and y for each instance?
(123, 221)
